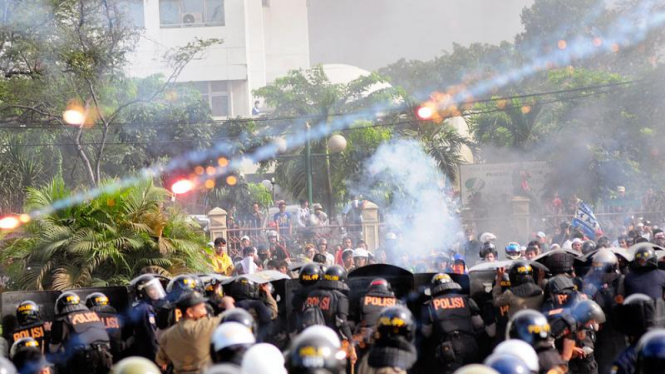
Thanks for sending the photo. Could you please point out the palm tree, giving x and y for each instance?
(106, 241)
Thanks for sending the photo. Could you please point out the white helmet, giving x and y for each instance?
(263, 358)
(522, 350)
(360, 252)
(487, 237)
(475, 369)
(231, 333)
(323, 331)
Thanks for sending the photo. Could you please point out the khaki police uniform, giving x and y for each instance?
(187, 345)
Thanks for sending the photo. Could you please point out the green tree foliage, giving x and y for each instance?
(107, 241)
(309, 94)
(63, 54)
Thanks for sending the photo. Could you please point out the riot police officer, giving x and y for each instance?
(329, 297)
(149, 295)
(184, 284)
(645, 277)
(651, 353)
(309, 275)
(378, 296)
(114, 323)
(452, 319)
(242, 317)
(247, 296)
(27, 356)
(532, 327)
(315, 354)
(134, 365)
(523, 292)
(603, 285)
(80, 334)
(634, 317)
(560, 289)
(588, 316)
(30, 324)
(506, 364)
(393, 348)
(214, 292)
(229, 342)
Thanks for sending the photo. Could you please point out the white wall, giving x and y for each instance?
(287, 37)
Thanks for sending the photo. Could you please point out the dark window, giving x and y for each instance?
(191, 13)
(216, 94)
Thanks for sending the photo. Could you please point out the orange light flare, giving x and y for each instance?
(597, 42)
(231, 180)
(562, 44)
(9, 223)
(182, 186)
(425, 112)
(222, 162)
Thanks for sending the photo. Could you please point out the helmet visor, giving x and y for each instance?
(154, 290)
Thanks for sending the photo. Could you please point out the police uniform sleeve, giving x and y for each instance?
(162, 358)
(500, 298)
(342, 318)
(272, 306)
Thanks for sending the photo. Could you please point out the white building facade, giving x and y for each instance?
(262, 40)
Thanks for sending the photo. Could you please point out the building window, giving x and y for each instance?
(216, 94)
(133, 11)
(191, 13)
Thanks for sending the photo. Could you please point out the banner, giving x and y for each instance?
(586, 221)
(492, 184)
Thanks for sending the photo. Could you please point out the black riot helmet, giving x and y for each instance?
(23, 343)
(505, 363)
(68, 302)
(379, 286)
(28, 312)
(645, 258)
(586, 311)
(96, 300)
(182, 284)
(240, 316)
(588, 246)
(315, 355)
(335, 273)
(334, 278)
(520, 273)
(244, 288)
(148, 288)
(651, 353)
(604, 261)
(212, 287)
(505, 282)
(442, 283)
(310, 273)
(636, 315)
(560, 262)
(530, 326)
(395, 322)
(488, 247)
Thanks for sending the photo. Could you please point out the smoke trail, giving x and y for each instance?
(622, 33)
(407, 184)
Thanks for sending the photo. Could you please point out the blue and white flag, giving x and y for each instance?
(586, 221)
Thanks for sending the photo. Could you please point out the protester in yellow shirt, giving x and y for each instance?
(221, 262)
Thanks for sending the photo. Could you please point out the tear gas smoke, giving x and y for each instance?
(408, 186)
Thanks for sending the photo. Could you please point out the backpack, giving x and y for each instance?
(310, 316)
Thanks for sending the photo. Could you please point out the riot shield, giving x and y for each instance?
(10, 300)
(118, 296)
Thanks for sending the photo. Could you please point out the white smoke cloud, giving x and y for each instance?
(408, 187)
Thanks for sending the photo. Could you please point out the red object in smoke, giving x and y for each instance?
(425, 112)
(182, 186)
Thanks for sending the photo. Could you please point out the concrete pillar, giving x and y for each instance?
(371, 225)
(218, 226)
(521, 216)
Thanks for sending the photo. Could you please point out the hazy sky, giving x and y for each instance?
(373, 33)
